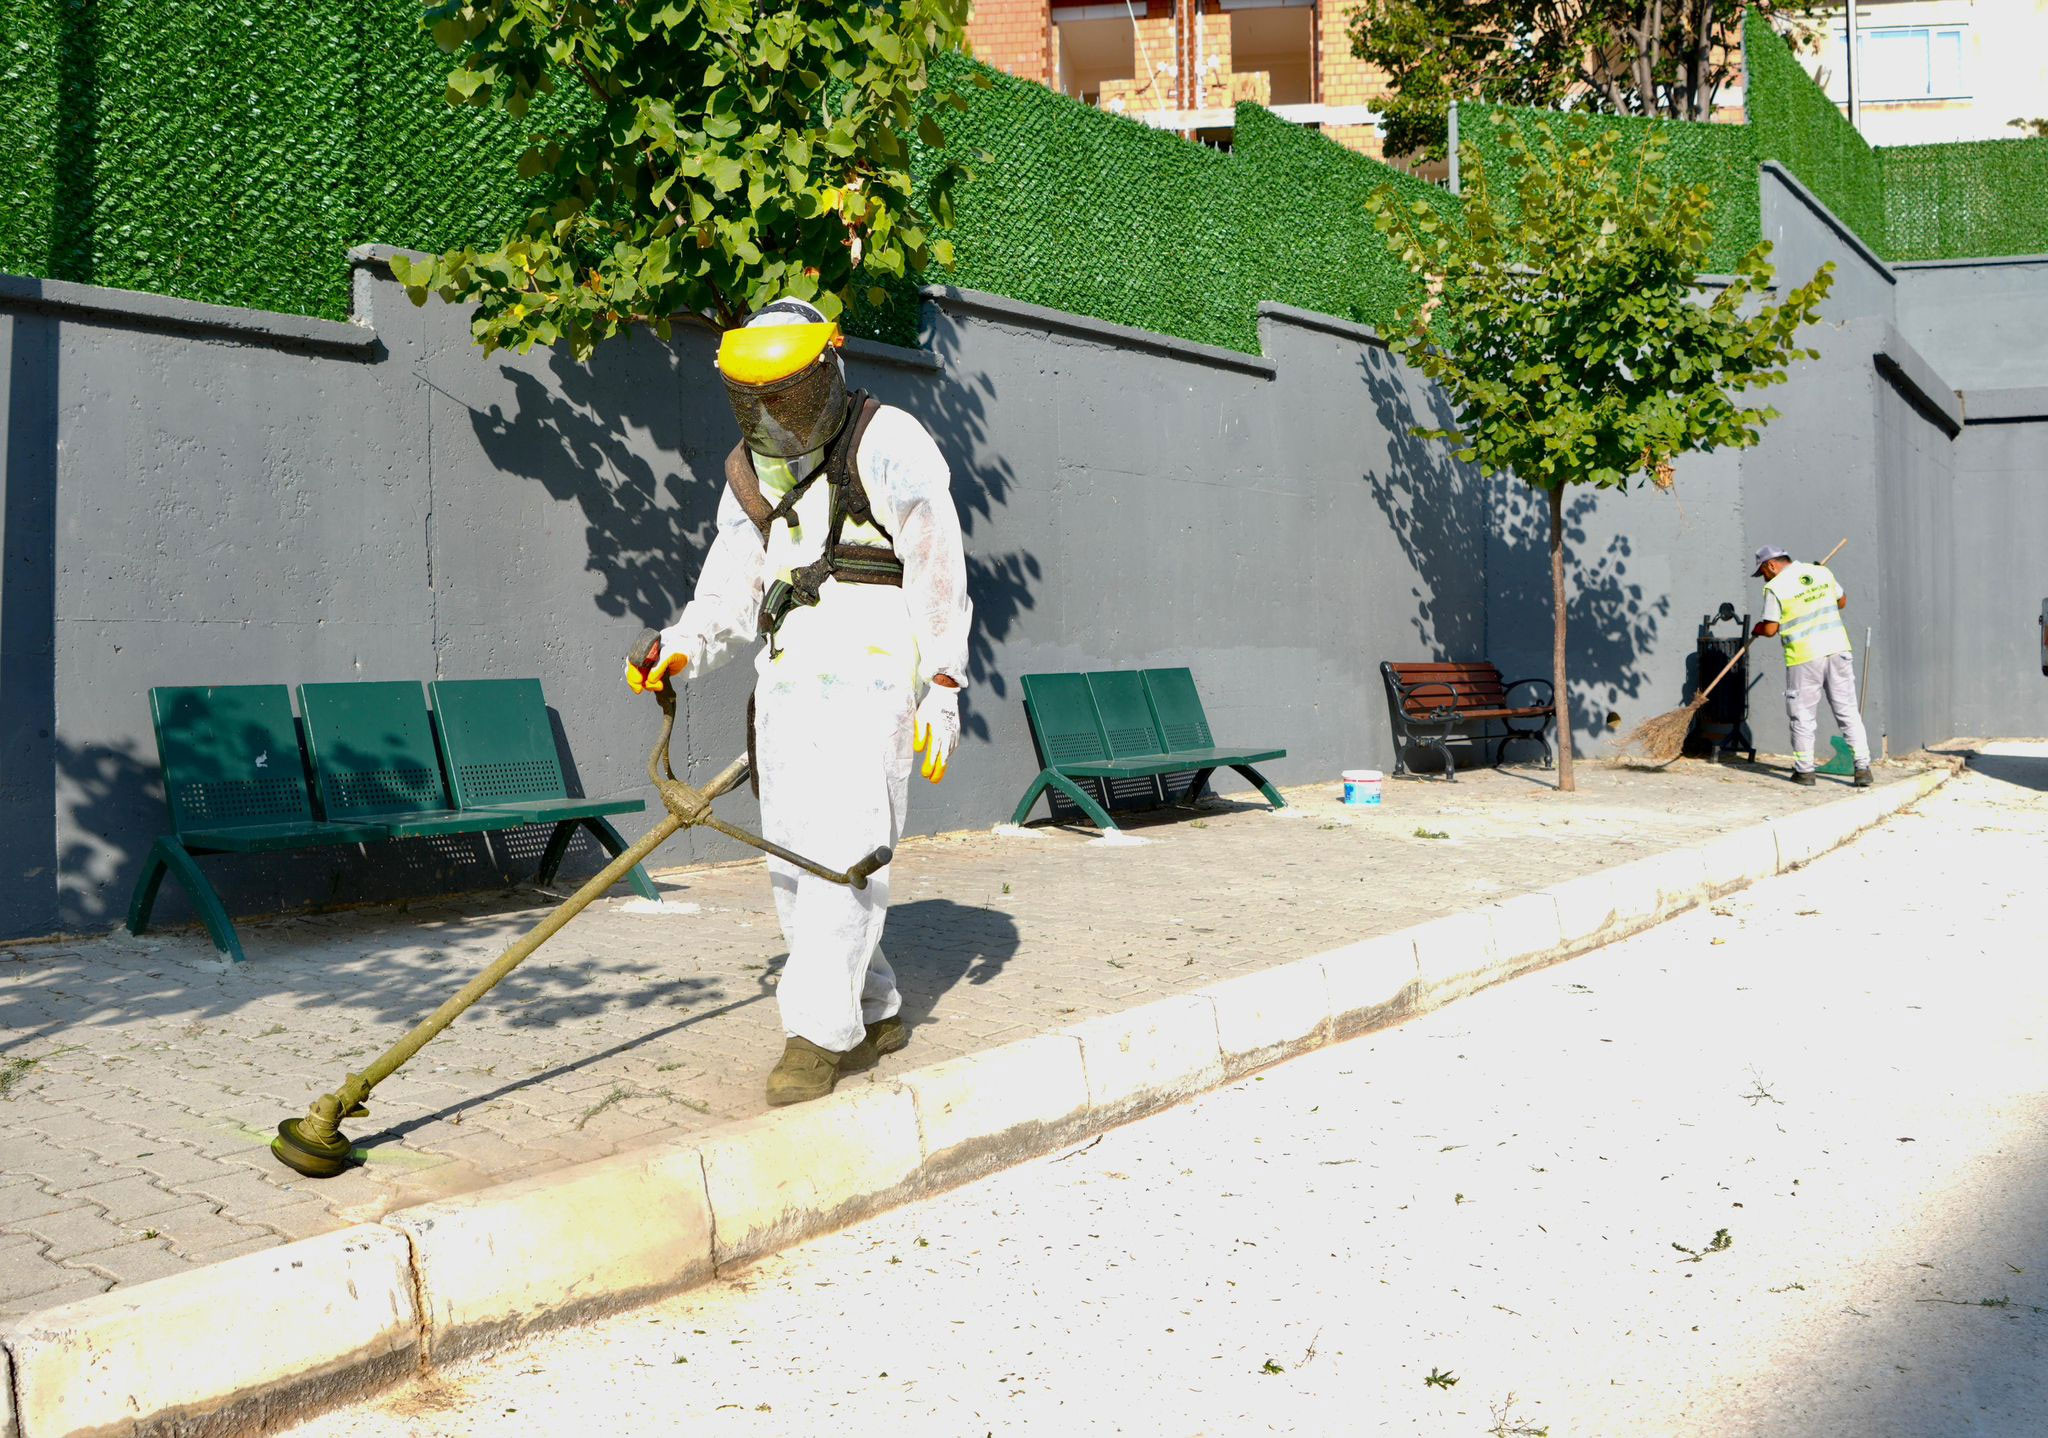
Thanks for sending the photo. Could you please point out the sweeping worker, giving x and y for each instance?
(1803, 607)
(838, 545)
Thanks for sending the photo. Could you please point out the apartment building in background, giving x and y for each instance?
(1183, 65)
(1937, 70)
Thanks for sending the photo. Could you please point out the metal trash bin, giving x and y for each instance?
(1721, 728)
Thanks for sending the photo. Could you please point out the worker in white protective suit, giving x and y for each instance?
(839, 545)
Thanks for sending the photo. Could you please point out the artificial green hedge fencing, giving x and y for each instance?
(1907, 202)
(1796, 124)
(233, 153)
(1961, 201)
(1093, 214)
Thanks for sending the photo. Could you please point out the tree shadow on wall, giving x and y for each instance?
(647, 521)
(1436, 509)
(1611, 620)
(955, 405)
(1456, 527)
(112, 790)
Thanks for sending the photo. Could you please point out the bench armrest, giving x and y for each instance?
(1415, 691)
(1549, 695)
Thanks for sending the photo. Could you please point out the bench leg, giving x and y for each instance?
(608, 837)
(1538, 735)
(1038, 786)
(168, 856)
(1200, 787)
(1442, 744)
(1258, 780)
(615, 845)
(1083, 800)
(558, 847)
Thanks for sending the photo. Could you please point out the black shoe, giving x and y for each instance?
(1804, 778)
(1863, 778)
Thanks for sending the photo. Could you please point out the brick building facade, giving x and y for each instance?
(1183, 64)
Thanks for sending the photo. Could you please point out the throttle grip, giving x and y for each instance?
(641, 655)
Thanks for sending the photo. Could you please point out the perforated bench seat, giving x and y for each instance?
(1127, 738)
(235, 777)
(1170, 763)
(548, 811)
(272, 838)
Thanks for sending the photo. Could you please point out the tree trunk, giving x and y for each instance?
(1562, 695)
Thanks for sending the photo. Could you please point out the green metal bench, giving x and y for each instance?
(235, 779)
(1127, 738)
(499, 751)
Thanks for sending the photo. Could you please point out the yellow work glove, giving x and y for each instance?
(653, 670)
(936, 729)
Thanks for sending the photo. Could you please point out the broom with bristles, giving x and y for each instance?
(1662, 739)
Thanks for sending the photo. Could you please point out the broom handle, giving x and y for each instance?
(1736, 657)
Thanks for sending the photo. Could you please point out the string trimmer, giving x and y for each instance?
(315, 1145)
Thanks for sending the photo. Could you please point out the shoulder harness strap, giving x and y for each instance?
(841, 467)
(849, 563)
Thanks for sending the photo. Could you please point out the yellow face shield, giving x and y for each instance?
(787, 389)
(766, 353)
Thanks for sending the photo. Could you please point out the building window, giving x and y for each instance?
(1902, 62)
(1276, 38)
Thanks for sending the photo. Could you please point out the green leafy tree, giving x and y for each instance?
(1559, 311)
(2030, 129)
(720, 153)
(1668, 58)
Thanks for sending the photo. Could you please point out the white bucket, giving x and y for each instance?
(1362, 786)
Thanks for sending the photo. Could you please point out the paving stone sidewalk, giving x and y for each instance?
(141, 1079)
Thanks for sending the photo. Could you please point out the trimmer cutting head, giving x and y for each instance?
(314, 1157)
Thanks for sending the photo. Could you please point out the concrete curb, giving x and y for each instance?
(243, 1346)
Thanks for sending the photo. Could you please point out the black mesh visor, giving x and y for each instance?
(791, 416)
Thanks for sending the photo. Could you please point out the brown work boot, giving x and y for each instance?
(1863, 778)
(805, 1072)
(883, 1036)
(888, 1035)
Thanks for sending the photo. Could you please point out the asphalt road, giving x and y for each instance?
(1777, 1167)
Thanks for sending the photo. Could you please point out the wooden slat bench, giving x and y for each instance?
(235, 778)
(1429, 703)
(1111, 738)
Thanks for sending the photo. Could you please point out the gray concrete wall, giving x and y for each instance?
(226, 505)
(2000, 570)
(1641, 569)
(197, 495)
(1905, 654)
(1982, 323)
(1805, 234)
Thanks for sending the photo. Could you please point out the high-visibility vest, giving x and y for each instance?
(1809, 616)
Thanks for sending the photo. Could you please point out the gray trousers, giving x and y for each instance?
(1834, 676)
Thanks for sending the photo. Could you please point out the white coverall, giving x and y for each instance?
(833, 704)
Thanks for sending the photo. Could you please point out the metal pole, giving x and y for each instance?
(1453, 145)
(1849, 69)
